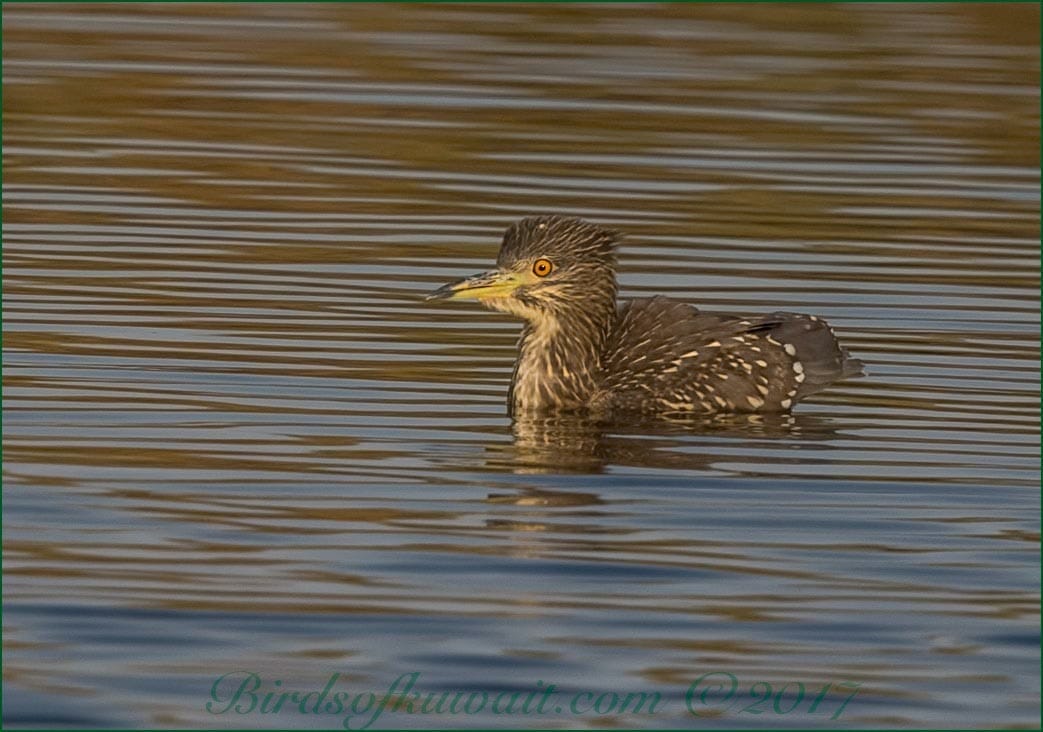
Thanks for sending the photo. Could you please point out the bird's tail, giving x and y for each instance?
(818, 350)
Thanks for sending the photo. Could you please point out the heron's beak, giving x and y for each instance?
(485, 286)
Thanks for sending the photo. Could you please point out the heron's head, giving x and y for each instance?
(549, 268)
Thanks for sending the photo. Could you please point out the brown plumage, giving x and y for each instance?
(580, 350)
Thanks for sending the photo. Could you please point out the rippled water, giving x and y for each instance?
(237, 440)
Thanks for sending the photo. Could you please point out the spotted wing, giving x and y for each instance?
(667, 356)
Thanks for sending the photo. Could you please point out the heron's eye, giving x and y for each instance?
(542, 267)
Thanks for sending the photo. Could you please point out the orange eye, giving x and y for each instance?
(542, 267)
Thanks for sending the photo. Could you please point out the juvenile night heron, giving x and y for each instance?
(580, 350)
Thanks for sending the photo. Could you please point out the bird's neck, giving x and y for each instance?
(560, 359)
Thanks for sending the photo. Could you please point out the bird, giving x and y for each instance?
(582, 351)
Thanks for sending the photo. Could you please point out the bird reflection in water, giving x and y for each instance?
(574, 444)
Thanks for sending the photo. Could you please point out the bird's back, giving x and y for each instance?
(667, 356)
